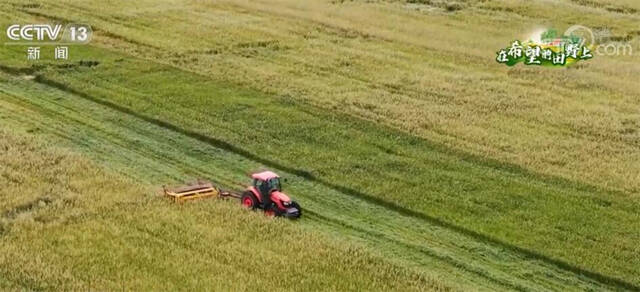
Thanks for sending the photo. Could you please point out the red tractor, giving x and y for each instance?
(266, 193)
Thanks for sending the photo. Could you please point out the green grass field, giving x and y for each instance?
(79, 228)
(421, 164)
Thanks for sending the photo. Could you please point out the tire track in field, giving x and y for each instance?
(152, 154)
(418, 249)
(223, 145)
(69, 120)
(62, 116)
(153, 50)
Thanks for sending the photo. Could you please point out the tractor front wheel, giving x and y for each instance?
(271, 212)
(249, 201)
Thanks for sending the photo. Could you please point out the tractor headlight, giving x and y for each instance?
(286, 204)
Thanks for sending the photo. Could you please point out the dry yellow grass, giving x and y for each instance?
(426, 71)
(68, 225)
(411, 66)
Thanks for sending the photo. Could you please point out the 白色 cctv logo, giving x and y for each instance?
(31, 32)
(48, 33)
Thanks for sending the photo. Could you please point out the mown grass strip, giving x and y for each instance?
(345, 190)
(111, 234)
(561, 184)
(309, 196)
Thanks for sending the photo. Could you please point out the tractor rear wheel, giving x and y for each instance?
(249, 201)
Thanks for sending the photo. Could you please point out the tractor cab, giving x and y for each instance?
(266, 182)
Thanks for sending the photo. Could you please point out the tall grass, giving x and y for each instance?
(402, 106)
(82, 228)
(426, 208)
(431, 74)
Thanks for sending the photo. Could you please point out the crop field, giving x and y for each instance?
(420, 163)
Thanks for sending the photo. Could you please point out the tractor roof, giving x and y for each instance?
(265, 175)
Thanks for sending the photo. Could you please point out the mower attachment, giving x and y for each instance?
(192, 192)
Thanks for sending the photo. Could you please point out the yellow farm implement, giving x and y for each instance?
(198, 190)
